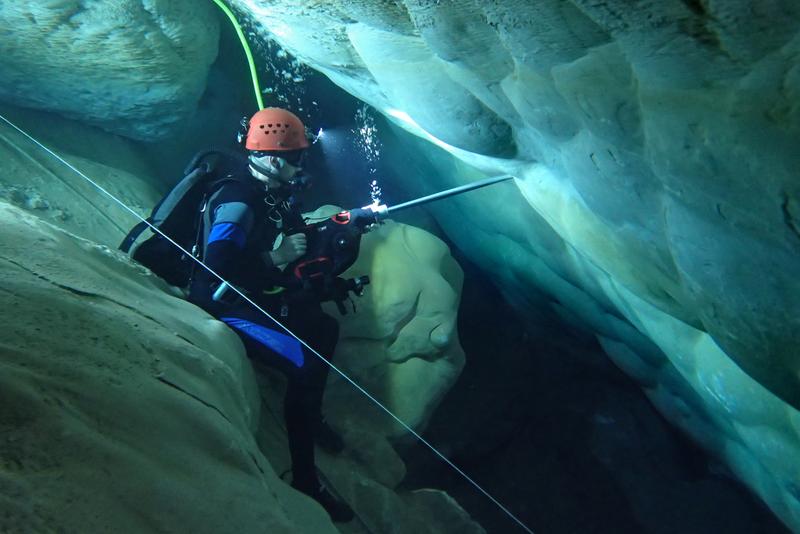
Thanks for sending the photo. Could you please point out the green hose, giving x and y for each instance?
(240, 33)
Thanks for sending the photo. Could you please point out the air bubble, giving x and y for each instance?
(366, 132)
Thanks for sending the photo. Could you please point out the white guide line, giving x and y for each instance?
(266, 314)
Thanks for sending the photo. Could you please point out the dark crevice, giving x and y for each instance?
(543, 420)
(788, 217)
(255, 461)
(697, 7)
(698, 26)
(195, 397)
(76, 291)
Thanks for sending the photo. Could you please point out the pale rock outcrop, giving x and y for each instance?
(147, 406)
(401, 344)
(132, 67)
(124, 408)
(657, 200)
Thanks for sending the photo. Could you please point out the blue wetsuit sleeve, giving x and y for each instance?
(229, 250)
(228, 231)
(227, 239)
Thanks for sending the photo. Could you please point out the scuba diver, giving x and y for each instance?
(245, 218)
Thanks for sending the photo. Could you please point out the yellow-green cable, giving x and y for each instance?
(247, 51)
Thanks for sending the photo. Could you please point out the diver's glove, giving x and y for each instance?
(292, 247)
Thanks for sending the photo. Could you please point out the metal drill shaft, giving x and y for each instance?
(450, 192)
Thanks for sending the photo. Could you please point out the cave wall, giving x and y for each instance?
(656, 204)
(656, 201)
(136, 68)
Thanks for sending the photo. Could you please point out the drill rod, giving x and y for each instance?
(450, 192)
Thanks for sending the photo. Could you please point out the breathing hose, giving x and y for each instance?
(247, 51)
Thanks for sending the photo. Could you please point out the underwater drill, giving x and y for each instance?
(333, 243)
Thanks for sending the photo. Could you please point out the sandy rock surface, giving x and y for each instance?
(124, 408)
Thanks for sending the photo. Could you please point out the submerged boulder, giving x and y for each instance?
(401, 343)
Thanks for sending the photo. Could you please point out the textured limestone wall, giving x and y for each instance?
(35, 180)
(655, 145)
(133, 67)
(657, 200)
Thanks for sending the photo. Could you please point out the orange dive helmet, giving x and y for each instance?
(275, 129)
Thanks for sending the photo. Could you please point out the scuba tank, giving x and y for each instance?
(179, 215)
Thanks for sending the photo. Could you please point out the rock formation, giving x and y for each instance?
(654, 144)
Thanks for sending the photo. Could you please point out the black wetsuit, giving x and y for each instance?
(244, 223)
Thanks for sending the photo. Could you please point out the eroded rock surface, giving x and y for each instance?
(401, 344)
(655, 147)
(34, 179)
(124, 408)
(656, 203)
(133, 67)
(135, 411)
